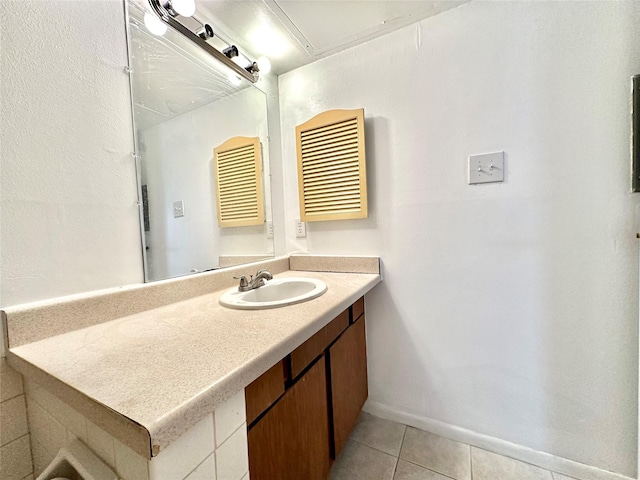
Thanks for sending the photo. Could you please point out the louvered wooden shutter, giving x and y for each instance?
(238, 177)
(332, 179)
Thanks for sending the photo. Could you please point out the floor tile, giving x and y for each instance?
(378, 433)
(437, 453)
(359, 462)
(490, 466)
(409, 471)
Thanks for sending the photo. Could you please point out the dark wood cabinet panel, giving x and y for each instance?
(349, 388)
(263, 391)
(309, 350)
(291, 441)
(357, 309)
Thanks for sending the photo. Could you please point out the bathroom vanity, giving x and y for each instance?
(301, 411)
(153, 377)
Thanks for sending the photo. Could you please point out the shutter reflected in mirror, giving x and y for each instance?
(331, 166)
(238, 178)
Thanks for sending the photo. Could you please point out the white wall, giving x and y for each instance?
(177, 160)
(511, 309)
(68, 196)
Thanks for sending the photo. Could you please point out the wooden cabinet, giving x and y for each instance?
(298, 434)
(291, 442)
(264, 392)
(348, 360)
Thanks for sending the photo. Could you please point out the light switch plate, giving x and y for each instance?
(301, 229)
(178, 208)
(269, 229)
(486, 168)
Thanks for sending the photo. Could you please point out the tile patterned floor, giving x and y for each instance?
(380, 449)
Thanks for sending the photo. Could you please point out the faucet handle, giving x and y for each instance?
(243, 281)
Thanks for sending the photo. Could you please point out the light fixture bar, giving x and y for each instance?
(176, 25)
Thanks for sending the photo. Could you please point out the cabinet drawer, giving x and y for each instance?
(263, 391)
(305, 353)
(357, 309)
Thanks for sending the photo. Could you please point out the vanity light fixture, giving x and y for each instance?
(168, 11)
(186, 8)
(154, 24)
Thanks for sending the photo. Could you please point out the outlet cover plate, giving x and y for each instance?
(301, 229)
(178, 208)
(486, 168)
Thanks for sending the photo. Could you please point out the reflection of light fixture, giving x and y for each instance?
(205, 32)
(169, 12)
(186, 8)
(231, 51)
(154, 24)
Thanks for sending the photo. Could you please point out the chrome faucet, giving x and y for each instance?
(253, 282)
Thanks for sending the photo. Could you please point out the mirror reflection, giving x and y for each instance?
(186, 105)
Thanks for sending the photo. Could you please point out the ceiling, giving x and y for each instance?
(293, 33)
(172, 76)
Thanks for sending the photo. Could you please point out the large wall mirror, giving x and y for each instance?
(185, 106)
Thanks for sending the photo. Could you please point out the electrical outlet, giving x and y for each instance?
(178, 209)
(269, 229)
(301, 229)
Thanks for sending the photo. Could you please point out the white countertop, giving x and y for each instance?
(164, 369)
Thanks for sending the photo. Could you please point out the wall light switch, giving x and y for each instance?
(486, 168)
(178, 208)
(269, 229)
(301, 229)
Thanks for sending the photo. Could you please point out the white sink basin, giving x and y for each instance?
(275, 293)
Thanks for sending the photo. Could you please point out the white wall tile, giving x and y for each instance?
(205, 471)
(129, 465)
(10, 381)
(16, 459)
(185, 454)
(101, 443)
(232, 457)
(41, 457)
(13, 419)
(229, 416)
(38, 421)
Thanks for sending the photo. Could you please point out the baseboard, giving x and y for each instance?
(502, 447)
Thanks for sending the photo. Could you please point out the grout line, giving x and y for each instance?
(404, 435)
(395, 469)
(372, 448)
(471, 461)
(15, 396)
(520, 461)
(198, 466)
(425, 468)
(16, 439)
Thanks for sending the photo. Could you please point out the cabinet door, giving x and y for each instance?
(349, 389)
(291, 442)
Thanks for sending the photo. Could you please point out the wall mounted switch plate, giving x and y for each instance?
(301, 229)
(269, 229)
(486, 168)
(178, 208)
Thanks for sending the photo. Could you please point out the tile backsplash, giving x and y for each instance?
(214, 448)
(15, 449)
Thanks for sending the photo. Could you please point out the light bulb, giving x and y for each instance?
(186, 8)
(154, 24)
(264, 64)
